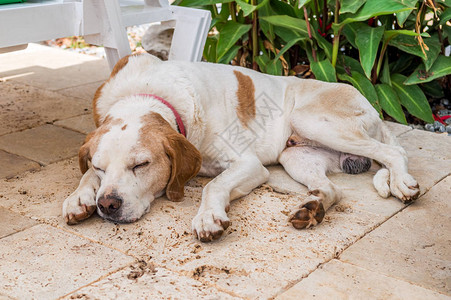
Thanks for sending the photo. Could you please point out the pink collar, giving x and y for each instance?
(178, 119)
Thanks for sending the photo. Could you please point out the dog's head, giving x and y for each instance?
(137, 160)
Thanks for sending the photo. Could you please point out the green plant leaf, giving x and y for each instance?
(373, 8)
(274, 67)
(228, 36)
(323, 70)
(210, 48)
(350, 32)
(301, 3)
(445, 16)
(323, 44)
(350, 6)
(440, 68)
(385, 76)
(433, 44)
(246, 7)
(287, 47)
(389, 102)
(367, 40)
(402, 16)
(412, 98)
(262, 61)
(407, 44)
(445, 2)
(364, 86)
(227, 58)
(197, 3)
(285, 21)
(346, 64)
(433, 89)
(286, 34)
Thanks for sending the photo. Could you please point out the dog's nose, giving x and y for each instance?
(109, 204)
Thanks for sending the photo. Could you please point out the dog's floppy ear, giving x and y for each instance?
(186, 162)
(84, 154)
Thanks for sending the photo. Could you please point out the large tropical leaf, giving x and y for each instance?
(433, 44)
(373, 8)
(324, 70)
(407, 44)
(351, 6)
(194, 3)
(412, 98)
(228, 36)
(295, 24)
(367, 40)
(350, 32)
(347, 64)
(440, 68)
(389, 102)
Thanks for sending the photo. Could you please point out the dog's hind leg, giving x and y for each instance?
(309, 165)
(360, 134)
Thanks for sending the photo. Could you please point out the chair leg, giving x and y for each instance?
(191, 29)
(118, 32)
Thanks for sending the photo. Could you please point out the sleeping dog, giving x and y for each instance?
(161, 123)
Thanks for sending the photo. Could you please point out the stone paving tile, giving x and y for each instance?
(358, 191)
(83, 123)
(414, 245)
(44, 144)
(43, 262)
(12, 222)
(23, 107)
(259, 246)
(48, 68)
(144, 281)
(13, 165)
(396, 128)
(338, 280)
(85, 91)
(40, 195)
(429, 156)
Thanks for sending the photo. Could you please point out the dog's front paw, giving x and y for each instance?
(79, 206)
(405, 188)
(308, 214)
(209, 225)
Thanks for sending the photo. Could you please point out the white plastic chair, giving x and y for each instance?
(102, 22)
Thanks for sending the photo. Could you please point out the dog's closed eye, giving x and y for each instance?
(98, 169)
(136, 167)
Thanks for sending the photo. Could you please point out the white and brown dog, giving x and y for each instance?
(160, 123)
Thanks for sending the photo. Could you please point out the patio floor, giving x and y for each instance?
(366, 248)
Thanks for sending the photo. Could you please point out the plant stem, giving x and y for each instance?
(310, 33)
(215, 10)
(232, 11)
(336, 42)
(323, 29)
(254, 36)
(440, 37)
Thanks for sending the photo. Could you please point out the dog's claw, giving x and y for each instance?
(209, 226)
(308, 215)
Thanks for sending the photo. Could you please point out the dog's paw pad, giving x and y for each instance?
(87, 211)
(208, 226)
(79, 206)
(407, 189)
(309, 214)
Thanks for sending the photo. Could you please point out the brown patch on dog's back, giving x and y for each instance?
(124, 127)
(246, 98)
